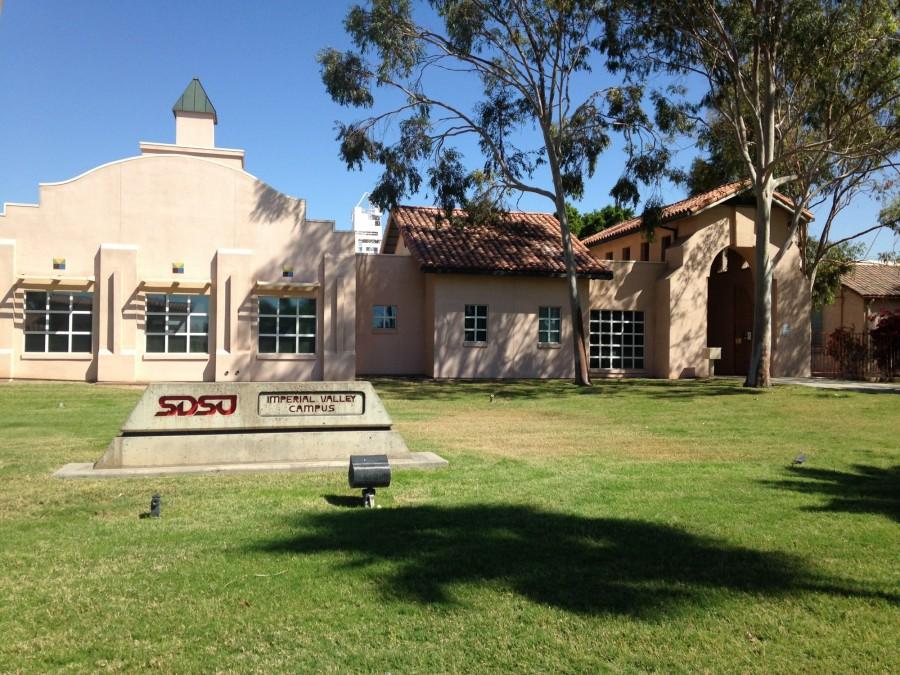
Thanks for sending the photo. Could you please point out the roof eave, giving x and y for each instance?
(687, 214)
(513, 273)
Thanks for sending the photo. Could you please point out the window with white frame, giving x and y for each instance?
(549, 325)
(177, 323)
(476, 323)
(58, 321)
(384, 317)
(287, 325)
(616, 339)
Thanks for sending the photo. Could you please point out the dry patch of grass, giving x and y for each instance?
(508, 431)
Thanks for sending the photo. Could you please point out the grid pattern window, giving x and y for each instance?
(645, 251)
(384, 317)
(287, 325)
(626, 253)
(177, 324)
(616, 339)
(549, 325)
(58, 321)
(476, 323)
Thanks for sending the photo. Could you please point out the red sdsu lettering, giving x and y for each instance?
(186, 406)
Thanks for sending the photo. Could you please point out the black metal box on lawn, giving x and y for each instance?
(369, 471)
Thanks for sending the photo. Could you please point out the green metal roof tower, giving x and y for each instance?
(195, 100)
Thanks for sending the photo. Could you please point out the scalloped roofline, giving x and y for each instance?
(153, 156)
(22, 204)
(139, 157)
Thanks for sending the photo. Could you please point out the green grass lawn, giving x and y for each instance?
(635, 526)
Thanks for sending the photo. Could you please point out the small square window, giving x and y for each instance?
(384, 317)
(475, 323)
(549, 325)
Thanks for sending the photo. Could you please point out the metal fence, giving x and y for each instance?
(854, 356)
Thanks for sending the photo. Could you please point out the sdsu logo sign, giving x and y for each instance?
(187, 406)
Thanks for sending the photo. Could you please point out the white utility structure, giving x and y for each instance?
(367, 226)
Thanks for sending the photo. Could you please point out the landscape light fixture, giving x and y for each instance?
(369, 472)
(155, 505)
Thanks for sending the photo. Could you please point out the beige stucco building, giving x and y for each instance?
(867, 290)
(701, 291)
(177, 264)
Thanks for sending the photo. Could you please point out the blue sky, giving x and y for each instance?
(83, 82)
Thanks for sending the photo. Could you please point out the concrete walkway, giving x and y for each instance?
(415, 460)
(844, 385)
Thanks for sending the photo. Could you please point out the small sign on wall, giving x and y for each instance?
(290, 404)
(59, 264)
(177, 268)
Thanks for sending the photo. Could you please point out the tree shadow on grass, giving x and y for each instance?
(417, 389)
(870, 489)
(582, 565)
(685, 390)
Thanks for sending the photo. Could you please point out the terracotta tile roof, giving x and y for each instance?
(873, 280)
(686, 207)
(519, 243)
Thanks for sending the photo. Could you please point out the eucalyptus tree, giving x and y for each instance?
(835, 188)
(808, 90)
(519, 78)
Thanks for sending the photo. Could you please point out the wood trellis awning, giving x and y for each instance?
(283, 286)
(53, 281)
(176, 284)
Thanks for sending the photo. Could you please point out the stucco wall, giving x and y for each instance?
(390, 280)
(848, 311)
(512, 348)
(633, 287)
(681, 291)
(126, 223)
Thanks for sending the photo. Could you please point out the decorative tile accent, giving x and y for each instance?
(59, 264)
(177, 268)
(287, 271)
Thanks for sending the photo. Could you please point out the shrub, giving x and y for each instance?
(885, 338)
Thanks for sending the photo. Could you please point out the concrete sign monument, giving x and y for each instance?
(252, 426)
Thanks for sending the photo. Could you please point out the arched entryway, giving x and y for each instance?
(729, 311)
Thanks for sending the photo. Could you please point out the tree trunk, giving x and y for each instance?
(582, 373)
(764, 189)
(761, 356)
